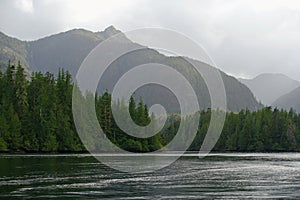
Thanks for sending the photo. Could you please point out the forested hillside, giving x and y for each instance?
(266, 130)
(36, 116)
(68, 49)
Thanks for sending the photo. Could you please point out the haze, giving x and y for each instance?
(245, 38)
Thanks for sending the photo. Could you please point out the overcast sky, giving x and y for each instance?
(244, 38)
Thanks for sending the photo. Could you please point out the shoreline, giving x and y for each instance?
(142, 153)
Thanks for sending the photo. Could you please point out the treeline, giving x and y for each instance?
(139, 113)
(36, 116)
(265, 130)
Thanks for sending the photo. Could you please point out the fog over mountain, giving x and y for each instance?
(268, 87)
(244, 38)
(290, 100)
(68, 49)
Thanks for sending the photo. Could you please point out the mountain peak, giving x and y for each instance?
(110, 28)
(109, 31)
(69, 49)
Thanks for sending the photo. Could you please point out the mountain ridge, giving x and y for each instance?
(68, 49)
(268, 87)
(289, 100)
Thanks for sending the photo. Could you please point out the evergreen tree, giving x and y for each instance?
(36, 116)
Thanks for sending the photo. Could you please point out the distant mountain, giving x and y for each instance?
(269, 87)
(68, 49)
(290, 100)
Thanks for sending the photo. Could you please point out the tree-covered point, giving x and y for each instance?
(36, 116)
(266, 130)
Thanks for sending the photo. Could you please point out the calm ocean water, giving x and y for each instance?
(217, 176)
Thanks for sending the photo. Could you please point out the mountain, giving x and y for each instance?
(290, 100)
(268, 87)
(238, 95)
(12, 49)
(64, 50)
(68, 49)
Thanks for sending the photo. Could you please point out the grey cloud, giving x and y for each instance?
(245, 38)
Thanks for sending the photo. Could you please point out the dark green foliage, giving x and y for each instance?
(140, 116)
(266, 130)
(36, 116)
